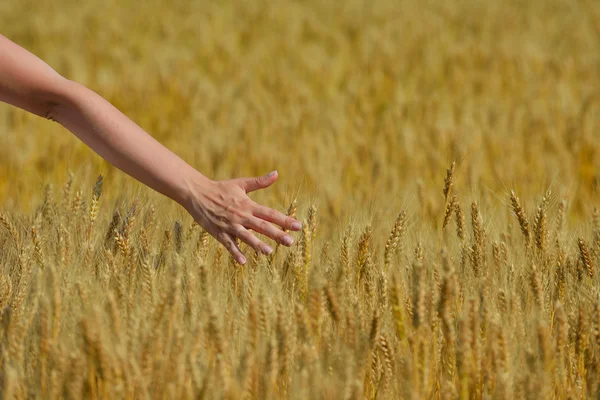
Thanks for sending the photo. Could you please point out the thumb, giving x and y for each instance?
(260, 182)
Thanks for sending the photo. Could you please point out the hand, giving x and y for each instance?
(224, 210)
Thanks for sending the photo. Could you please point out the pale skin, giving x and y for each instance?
(222, 208)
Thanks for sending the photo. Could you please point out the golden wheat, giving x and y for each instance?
(362, 107)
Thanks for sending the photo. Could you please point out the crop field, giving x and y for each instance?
(444, 157)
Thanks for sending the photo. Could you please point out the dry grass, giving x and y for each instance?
(445, 158)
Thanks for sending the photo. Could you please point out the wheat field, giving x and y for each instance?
(444, 157)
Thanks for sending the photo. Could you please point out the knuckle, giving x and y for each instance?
(225, 241)
(239, 231)
(229, 208)
(246, 203)
(264, 226)
(272, 214)
(246, 221)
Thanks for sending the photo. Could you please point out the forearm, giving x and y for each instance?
(222, 208)
(122, 142)
(29, 83)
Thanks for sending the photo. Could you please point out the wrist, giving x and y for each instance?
(193, 184)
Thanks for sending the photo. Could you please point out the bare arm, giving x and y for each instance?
(221, 207)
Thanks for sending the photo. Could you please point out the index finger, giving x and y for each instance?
(274, 216)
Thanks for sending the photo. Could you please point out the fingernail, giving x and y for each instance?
(242, 260)
(267, 249)
(296, 226)
(288, 240)
(272, 174)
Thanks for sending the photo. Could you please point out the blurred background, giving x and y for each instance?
(361, 105)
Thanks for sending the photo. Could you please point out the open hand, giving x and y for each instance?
(224, 210)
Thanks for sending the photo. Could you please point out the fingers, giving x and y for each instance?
(267, 229)
(261, 182)
(248, 237)
(278, 218)
(232, 247)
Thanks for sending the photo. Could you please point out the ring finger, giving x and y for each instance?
(247, 237)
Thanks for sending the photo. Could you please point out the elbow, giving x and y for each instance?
(55, 101)
(50, 111)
